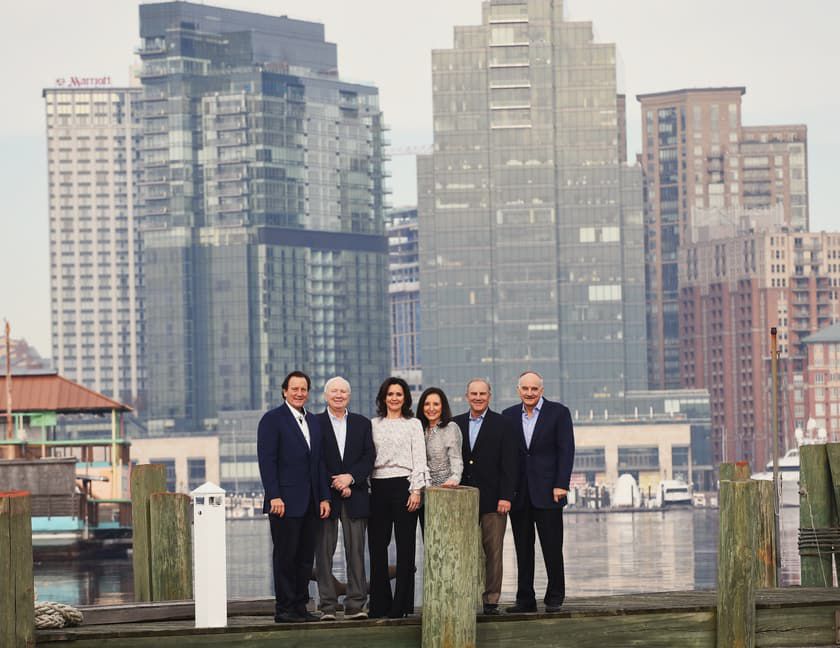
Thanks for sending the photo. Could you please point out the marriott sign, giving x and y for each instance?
(82, 82)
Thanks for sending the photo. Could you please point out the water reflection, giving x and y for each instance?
(105, 582)
(606, 553)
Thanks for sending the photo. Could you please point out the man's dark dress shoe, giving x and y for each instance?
(521, 608)
(287, 617)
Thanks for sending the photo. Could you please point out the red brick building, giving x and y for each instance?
(740, 276)
(820, 394)
(698, 154)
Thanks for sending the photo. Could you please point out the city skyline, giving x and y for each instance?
(783, 86)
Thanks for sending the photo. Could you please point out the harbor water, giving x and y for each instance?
(605, 553)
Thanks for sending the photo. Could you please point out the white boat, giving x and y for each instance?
(788, 475)
(674, 492)
(626, 493)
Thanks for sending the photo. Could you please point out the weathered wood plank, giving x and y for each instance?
(690, 630)
(736, 562)
(169, 610)
(171, 546)
(687, 630)
(816, 511)
(7, 583)
(17, 610)
(449, 576)
(832, 451)
(20, 540)
(765, 537)
(248, 631)
(682, 601)
(796, 596)
(794, 627)
(145, 480)
(792, 616)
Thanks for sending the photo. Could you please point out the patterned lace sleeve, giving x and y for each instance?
(419, 470)
(453, 450)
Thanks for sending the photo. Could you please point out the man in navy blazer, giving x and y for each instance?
(349, 455)
(297, 493)
(547, 453)
(491, 463)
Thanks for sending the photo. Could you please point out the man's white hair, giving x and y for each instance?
(336, 379)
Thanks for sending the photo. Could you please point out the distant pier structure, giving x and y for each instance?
(78, 486)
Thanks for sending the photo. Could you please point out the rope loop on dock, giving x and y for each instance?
(812, 542)
(56, 615)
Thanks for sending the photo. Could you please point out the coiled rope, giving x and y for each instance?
(56, 615)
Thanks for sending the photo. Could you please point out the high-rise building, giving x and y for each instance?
(404, 295)
(742, 272)
(95, 258)
(696, 154)
(821, 400)
(262, 206)
(531, 236)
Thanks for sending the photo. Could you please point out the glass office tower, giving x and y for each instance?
(404, 295)
(531, 233)
(262, 209)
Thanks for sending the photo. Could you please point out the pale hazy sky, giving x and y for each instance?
(784, 52)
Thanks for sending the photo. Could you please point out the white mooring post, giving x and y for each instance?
(210, 569)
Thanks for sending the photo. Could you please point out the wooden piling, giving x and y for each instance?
(450, 586)
(833, 453)
(17, 601)
(766, 544)
(145, 480)
(171, 546)
(737, 471)
(816, 512)
(736, 564)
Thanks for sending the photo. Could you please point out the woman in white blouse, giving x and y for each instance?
(443, 441)
(397, 481)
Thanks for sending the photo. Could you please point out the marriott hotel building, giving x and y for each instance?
(95, 310)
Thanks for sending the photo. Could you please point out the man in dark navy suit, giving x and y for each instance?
(349, 455)
(491, 463)
(547, 452)
(297, 492)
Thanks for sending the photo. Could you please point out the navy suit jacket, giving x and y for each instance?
(289, 468)
(547, 464)
(492, 465)
(359, 454)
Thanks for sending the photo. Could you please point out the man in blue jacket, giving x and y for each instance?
(297, 493)
(349, 455)
(547, 452)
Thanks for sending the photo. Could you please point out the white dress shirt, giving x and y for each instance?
(339, 426)
(300, 417)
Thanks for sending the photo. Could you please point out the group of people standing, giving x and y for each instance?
(338, 466)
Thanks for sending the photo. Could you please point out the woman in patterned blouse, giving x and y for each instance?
(399, 476)
(443, 441)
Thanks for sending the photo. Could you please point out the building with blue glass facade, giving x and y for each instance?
(261, 203)
(531, 237)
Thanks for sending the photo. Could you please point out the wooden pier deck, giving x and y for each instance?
(793, 616)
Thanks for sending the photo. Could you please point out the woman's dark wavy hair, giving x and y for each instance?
(382, 408)
(445, 412)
